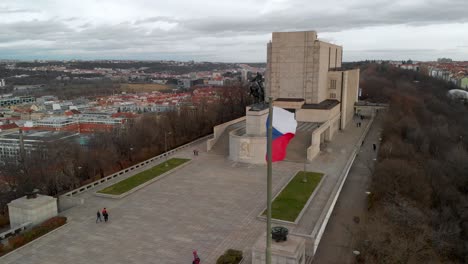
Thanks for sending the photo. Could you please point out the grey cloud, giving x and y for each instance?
(157, 19)
(300, 17)
(239, 34)
(7, 10)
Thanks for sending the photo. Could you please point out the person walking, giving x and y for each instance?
(105, 214)
(196, 259)
(374, 146)
(98, 217)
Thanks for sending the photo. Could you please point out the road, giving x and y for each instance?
(339, 239)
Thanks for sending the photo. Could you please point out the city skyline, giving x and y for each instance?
(229, 32)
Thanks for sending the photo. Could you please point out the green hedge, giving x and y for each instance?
(35, 232)
(231, 256)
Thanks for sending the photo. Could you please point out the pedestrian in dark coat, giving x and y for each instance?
(105, 214)
(98, 216)
(374, 146)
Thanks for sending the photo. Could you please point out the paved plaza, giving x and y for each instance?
(209, 205)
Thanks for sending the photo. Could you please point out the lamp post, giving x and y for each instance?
(165, 145)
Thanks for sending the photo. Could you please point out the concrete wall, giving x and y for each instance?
(326, 62)
(290, 105)
(291, 251)
(256, 122)
(248, 149)
(219, 130)
(317, 115)
(268, 72)
(297, 66)
(337, 77)
(35, 211)
(351, 95)
(325, 132)
(290, 64)
(67, 202)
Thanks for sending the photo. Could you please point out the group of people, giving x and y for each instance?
(104, 213)
(195, 152)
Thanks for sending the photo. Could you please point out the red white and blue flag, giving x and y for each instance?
(284, 128)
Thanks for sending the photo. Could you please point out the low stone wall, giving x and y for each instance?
(314, 148)
(94, 184)
(219, 130)
(66, 202)
(13, 231)
(319, 229)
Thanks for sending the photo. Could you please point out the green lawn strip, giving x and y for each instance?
(142, 177)
(289, 203)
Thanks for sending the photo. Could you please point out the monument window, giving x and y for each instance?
(333, 96)
(332, 84)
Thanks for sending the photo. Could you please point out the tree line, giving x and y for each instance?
(418, 206)
(59, 167)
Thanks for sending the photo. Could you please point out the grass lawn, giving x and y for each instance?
(142, 177)
(289, 203)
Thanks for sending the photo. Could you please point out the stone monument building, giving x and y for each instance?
(304, 75)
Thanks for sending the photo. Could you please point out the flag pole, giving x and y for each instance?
(269, 171)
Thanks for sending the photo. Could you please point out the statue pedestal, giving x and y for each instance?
(35, 210)
(291, 251)
(249, 144)
(256, 122)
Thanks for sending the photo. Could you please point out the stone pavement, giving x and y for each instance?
(339, 237)
(209, 205)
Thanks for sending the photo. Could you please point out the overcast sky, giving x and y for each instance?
(229, 31)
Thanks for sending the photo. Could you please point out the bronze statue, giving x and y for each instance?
(256, 89)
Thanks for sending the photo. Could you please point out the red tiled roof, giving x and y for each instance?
(124, 114)
(8, 126)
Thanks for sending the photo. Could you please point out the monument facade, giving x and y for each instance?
(304, 75)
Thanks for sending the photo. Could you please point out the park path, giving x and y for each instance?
(339, 238)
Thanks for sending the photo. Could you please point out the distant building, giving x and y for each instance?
(2, 82)
(444, 60)
(78, 123)
(33, 140)
(16, 100)
(244, 75)
(463, 83)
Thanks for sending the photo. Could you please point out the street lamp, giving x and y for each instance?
(165, 145)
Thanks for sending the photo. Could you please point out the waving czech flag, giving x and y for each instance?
(284, 128)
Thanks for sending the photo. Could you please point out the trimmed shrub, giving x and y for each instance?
(35, 232)
(231, 256)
